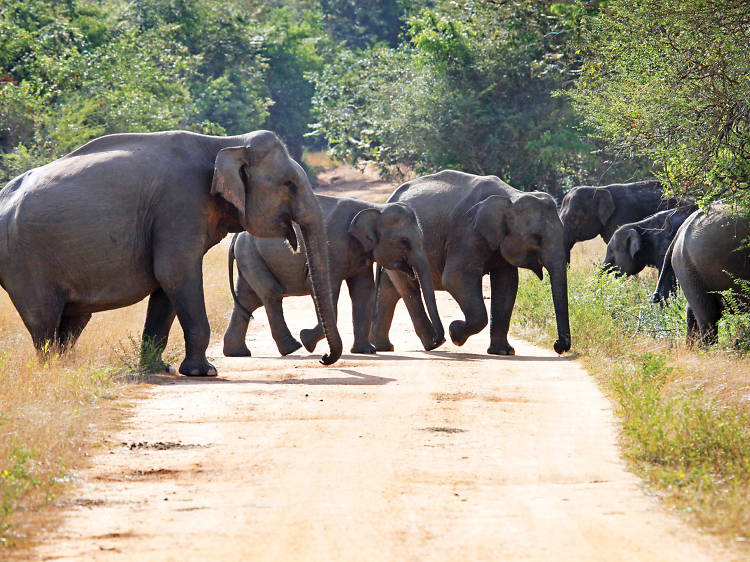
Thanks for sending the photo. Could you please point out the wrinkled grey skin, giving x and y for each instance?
(130, 216)
(642, 244)
(359, 233)
(587, 211)
(474, 225)
(708, 252)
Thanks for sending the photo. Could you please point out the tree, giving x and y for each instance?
(669, 80)
(474, 90)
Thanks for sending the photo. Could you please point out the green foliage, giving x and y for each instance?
(473, 90)
(668, 80)
(684, 440)
(606, 311)
(15, 480)
(362, 23)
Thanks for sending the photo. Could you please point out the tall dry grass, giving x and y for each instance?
(52, 415)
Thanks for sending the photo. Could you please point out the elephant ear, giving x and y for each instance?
(364, 228)
(605, 204)
(633, 242)
(488, 219)
(227, 181)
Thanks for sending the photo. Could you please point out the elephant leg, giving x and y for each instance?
(504, 284)
(465, 286)
(159, 319)
(692, 327)
(708, 322)
(311, 336)
(40, 308)
(408, 289)
(362, 292)
(70, 329)
(181, 279)
(270, 291)
(234, 337)
(386, 300)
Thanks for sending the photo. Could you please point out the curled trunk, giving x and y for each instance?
(307, 214)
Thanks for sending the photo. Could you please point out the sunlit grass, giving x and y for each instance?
(684, 410)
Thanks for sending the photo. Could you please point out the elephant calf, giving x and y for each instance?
(358, 233)
(587, 211)
(708, 255)
(644, 243)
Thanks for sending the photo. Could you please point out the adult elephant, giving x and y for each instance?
(359, 233)
(708, 255)
(131, 215)
(642, 244)
(475, 225)
(588, 211)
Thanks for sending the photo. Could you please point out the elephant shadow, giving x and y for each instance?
(354, 378)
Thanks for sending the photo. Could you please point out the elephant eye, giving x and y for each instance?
(404, 242)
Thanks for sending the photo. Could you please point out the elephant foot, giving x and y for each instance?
(458, 332)
(197, 368)
(433, 344)
(562, 345)
(235, 349)
(309, 339)
(501, 349)
(288, 346)
(383, 345)
(363, 347)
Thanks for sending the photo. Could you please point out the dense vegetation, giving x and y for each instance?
(544, 94)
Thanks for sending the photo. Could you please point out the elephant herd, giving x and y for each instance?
(704, 250)
(129, 216)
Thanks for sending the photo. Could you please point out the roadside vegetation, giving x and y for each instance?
(684, 410)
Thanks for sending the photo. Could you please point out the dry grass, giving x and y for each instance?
(318, 160)
(52, 415)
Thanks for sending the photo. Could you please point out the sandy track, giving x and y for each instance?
(449, 455)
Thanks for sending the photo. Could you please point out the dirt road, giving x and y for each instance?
(448, 455)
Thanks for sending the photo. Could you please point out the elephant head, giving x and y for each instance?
(269, 190)
(528, 233)
(622, 251)
(394, 237)
(584, 212)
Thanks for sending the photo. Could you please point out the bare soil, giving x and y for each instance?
(411, 455)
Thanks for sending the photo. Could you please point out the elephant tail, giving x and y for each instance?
(378, 275)
(230, 260)
(667, 283)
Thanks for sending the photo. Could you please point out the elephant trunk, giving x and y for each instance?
(421, 268)
(558, 274)
(307, 214)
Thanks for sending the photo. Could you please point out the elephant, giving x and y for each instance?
(588, 211)
(475, 225)
(709, 254)
(637, 245)
(129, 216)
(359, 233)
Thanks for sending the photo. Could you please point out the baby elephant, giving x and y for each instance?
(708, 255)
(644, 243)
(359, 233)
